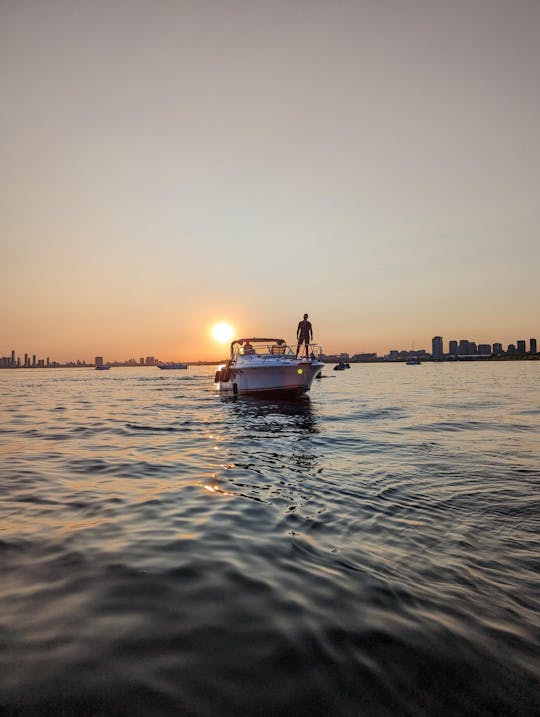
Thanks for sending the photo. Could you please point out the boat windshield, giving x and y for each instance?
(260, 347)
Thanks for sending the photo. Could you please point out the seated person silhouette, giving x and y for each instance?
(248, 349)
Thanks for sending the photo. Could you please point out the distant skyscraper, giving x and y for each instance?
(437, 347)
(99, 361)
(484, 349)
(521, 348)
(25, 360)
(464, 347)
(453, 348)
(34, 361)
(532, 343)
(13, 358)
(473, 349)
(497, 348)
(511, 349)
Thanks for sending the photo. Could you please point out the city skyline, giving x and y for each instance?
(373, 164)
(461, 347)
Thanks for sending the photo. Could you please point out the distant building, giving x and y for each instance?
(364, 357)
(437, 347)
(150, 361)
(484, 349)
(99, 361)
(521, 347)
(464, 347)
(497, 349)
(511, 349)
(453, 348)
(13, 358)
(34, 361)
(532, 344)
(473, 348)
(334, 358)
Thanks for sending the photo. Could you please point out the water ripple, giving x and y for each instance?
(370, 549)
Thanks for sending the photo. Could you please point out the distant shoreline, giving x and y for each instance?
(459, 359)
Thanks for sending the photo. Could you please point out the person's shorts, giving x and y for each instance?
(303, 340)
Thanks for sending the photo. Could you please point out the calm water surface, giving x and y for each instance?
(369, 550)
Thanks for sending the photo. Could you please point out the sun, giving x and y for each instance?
(222, 332)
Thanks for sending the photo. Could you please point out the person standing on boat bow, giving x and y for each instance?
(304, 334)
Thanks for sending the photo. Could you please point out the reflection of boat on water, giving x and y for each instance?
(101, 367)
(252, 409)
(172, 365)
(264, 367)
(341, 366)
(272, 452)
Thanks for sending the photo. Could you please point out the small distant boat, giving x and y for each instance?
(266, 367)
(341, 366)
(102, 368)
(172, 365)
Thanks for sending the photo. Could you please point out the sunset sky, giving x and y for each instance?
(168, 164)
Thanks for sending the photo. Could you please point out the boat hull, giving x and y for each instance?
(292, 380)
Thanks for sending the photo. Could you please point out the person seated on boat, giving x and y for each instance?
(248, 349)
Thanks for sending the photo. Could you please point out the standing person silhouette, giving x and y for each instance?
(304, 334)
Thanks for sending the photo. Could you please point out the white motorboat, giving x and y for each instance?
(265, 367)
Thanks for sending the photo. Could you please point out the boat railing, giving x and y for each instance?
(315, 352)
(275, 350)
(260, 349)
